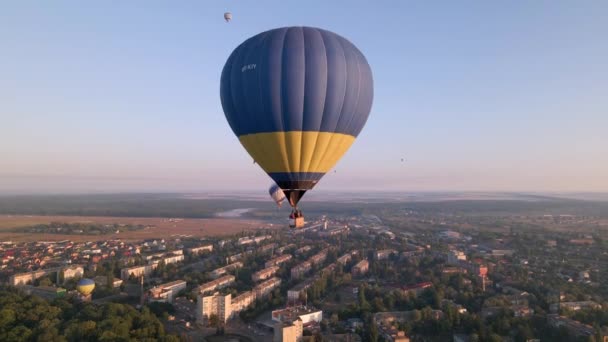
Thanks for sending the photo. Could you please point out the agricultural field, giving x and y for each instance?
(156, 227)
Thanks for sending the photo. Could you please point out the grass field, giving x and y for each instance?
(160, 227)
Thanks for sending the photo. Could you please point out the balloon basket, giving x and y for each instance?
(296, 219)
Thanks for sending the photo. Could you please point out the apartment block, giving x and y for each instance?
(264, 288)
(265, 273)
(278, 260)
(216, 284)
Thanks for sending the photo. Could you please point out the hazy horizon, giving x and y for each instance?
(337, 196)
(477, 97)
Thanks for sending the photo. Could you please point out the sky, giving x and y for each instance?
(123, 96)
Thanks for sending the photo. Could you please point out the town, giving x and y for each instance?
(344, 279)
(304, 171)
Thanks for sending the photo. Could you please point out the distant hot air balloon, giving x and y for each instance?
(227, 16)
(85, 286)
(276, 194)
(296, 97)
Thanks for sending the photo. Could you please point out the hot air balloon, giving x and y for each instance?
(227, 16)
(296, 97)
(276, 194)
(85, 286)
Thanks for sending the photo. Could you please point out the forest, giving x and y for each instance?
(31, 318)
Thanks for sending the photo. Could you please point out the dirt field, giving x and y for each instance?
(163, 227)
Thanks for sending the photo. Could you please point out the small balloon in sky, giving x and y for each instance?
(276, 194)
(227, 16)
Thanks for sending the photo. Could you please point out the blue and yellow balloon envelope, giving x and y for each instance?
(296, 97)
(85, 286)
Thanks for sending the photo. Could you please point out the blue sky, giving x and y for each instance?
(475, 95)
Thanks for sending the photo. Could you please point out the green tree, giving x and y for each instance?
(373, 332)
(214, 320)
(7, 318)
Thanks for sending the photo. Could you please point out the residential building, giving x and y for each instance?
(329, 269)
(223, 243)
(288, 331)
(344, 259)
(255, 239)
(170, 259)
(278, 260)
(395, 335)
(242, 302)
(587, 241)
(166, 292)
(25, 278)
(223, 306)
(318, 258)
(384, 319)
(449, 234)
(216, 284)
(502, 252)
(267, 247)
(223, 270)
(574, 306)
(280, 250)
(264, 288)
(453, 270)
(417, 289)
(300, 270)
(265, 273)
(234, 258)
(137, 271)
(74, 271)
(153, 256)
(200, 249)
(219, 305)
(102, 281)
(384, 254)
(303, 250)
(334, 231)
(454, 257)
(576, 328)
(294, 294)
(361, 268)
(305, 314)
